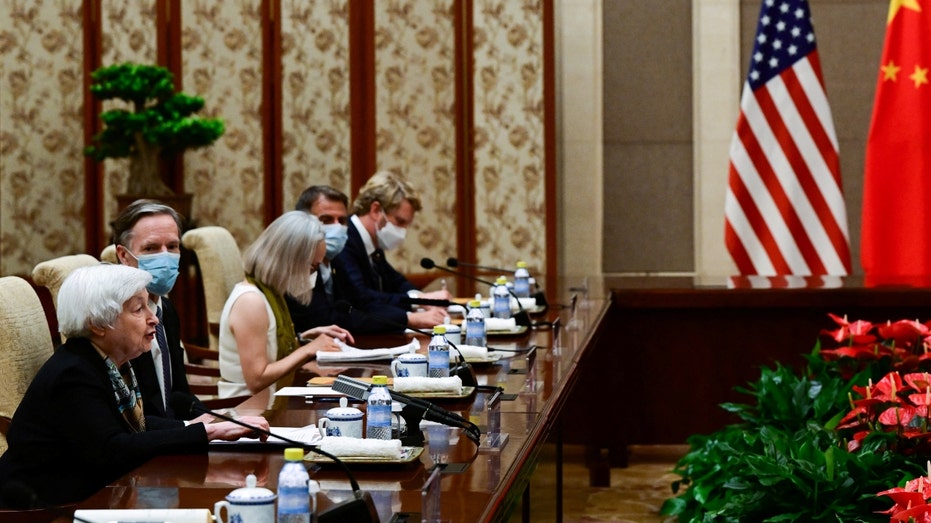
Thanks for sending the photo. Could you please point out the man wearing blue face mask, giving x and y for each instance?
(382, 213)
(147, 235)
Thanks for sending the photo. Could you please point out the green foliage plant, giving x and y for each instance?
(785, 461)
(157, 122)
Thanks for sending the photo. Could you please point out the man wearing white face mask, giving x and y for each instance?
(147, 235)
(383, 211)
(331, 207)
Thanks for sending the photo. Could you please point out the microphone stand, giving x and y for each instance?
(539, 296)
(521, 318)
(414, 410)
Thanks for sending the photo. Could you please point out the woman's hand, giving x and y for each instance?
(229, 431)
(320, 343)
(334, 331)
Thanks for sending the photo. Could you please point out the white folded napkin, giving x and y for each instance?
(525, 303)
(497, 324)
(361, 448)
(472, 351)
(451, 384)
(349, 353)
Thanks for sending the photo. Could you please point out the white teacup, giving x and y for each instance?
(250, 503)
(341, 421)
(409, 365)
(453, 333)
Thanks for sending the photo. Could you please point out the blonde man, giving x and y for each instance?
(382, 213)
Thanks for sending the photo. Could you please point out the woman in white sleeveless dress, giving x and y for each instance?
(259, 349)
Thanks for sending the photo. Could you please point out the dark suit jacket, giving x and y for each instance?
(68, 439)
(356, 280)
(144, 367)
(323, 311)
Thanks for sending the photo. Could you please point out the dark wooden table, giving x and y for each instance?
(477, 484)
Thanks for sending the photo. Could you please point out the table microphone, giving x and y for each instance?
(463, 369)
(522, 317)
(415, 408)
(539, 296)
(361, 507)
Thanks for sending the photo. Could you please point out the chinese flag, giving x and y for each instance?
(896, 236)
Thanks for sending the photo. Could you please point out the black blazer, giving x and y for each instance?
(356, 280)
(68, 440)
(144, 367)
(323, 311)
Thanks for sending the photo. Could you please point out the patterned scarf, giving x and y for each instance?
(284, 327)
(127, 393)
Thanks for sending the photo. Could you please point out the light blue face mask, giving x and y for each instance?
(335, 236)
(163, 266)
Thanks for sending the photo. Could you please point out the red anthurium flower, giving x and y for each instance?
(903, 332)
(887, 388)
(903, 498)
(918, 381)
(897, 416)
(848, 330)
(919, 514)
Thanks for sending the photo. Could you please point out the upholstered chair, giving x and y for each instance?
(108, 254)
(25, 344)
(221, 269)
(51, 273)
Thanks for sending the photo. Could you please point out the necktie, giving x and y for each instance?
(166, 359)
(378, 257)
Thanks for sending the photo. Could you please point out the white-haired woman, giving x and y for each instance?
(81, 423)
(258, 344)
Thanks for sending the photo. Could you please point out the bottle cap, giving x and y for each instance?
(439, 329)
(379, 380)
(294, 454)
(521, 265)
(475, 304)
(502, 280)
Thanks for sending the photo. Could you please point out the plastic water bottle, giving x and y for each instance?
(378, 410)
(501, 303)
(522, 280)
(475, 325)
(438, 354)
(293, 496)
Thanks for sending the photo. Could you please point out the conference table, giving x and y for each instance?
(486, 482)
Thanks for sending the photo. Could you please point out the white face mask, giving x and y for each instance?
(390, 236)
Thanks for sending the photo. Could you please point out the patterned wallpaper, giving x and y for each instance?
(41, 127)
(415, 110)
(222, 54)
(510, 202)
(127, 35)
(315, 105)
(41, 132)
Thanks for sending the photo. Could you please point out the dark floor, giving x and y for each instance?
(635, 495)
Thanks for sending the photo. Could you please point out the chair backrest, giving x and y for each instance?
(108, 254)
(51, 273)
(220, 262)
(25, 343)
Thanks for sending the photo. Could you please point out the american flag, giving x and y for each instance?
(784, 209)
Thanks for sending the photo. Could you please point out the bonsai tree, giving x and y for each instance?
(160, 122)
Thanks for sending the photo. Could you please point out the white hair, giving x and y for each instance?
(93, 296)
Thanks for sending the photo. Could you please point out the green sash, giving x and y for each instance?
(284, 327)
